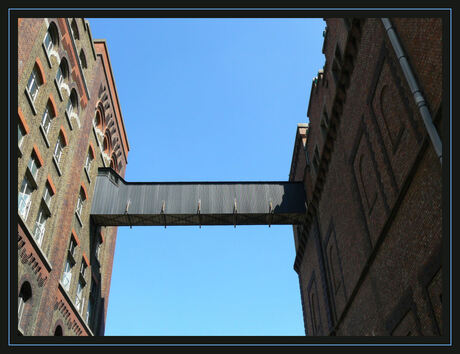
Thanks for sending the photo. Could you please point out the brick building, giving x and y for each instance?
(369, 255)
(69, 124)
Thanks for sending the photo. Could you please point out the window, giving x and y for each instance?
(58, 331)
(59, 149)
(67, 274)
(46, 120)
(72, 246)
(89, 310)
(24, 198)
(24, 295)
(62, 72)
(79, 205)
(39, 230)
(98, 250)
(48, 194)
(33, 84)
(88, 161)
(83, 59)
(74, 29)
(72, 104)
(51, 37)
(79, 299)
(33, 166)
(21, 134)
(83, 268)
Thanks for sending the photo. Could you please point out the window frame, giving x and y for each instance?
(34, 81)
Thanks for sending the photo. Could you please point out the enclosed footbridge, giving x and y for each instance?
(120, 203)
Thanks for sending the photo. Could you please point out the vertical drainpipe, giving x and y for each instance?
(416, 92)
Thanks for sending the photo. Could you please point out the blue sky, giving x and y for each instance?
(209, 100)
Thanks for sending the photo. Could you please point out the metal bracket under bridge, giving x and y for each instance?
(120, 203)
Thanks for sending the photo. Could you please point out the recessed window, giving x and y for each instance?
(72, 247)
(72, 104)
(39, 230)
(25, 294)
(79, 299)
(67, 274)
(88, 161)
(62, 72)
(82, 57)
(48, 194)
(80, 202)
(21, 134)
(83, 268)
(33, 84)
(46, 120)
(33, 166)
(98, 249)
(24, 198)
(74, 29)
(51, 37)
(58, 150)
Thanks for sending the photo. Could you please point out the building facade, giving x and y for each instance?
(69, 124)
(369, 254)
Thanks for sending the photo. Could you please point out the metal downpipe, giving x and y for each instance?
(412, 82)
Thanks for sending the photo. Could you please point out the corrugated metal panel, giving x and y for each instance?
(217, 202)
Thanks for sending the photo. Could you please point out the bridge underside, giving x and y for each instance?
(120, 203)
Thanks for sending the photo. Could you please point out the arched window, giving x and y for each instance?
(51, 38)
(58, 331)
(98, 121)
(62, 73)
(25, 294)
(74, 28)
(72, 104)
(36, 79)
(83, 59)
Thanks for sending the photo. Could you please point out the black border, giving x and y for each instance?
(225, 13)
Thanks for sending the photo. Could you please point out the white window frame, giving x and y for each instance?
(80, 203)
(24, 198)
(46, 119)
(83, 268)
(48, 39)
(21, 134)
(40, 227)
(72, 247)
(33, 82)
(79, 298)
(21, 305)
(67, 275)
(47, 195)
(33, 166)
(88, 162)
(59, 148)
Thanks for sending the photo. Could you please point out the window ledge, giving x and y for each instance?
(44, 136)
(31, 102)
(20, 153)
(57, 166)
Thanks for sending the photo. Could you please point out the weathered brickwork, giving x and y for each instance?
(368, 255)
(87, 86)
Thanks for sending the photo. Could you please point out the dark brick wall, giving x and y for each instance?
(371, 245)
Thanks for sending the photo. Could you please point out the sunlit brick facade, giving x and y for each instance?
(69, 124)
